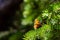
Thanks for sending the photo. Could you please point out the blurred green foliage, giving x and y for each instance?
(46, 11)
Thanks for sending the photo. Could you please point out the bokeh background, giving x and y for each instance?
(35, 20)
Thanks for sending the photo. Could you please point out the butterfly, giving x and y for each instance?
(37, 24)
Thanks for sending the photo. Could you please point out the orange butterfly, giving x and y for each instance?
(36, 23)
